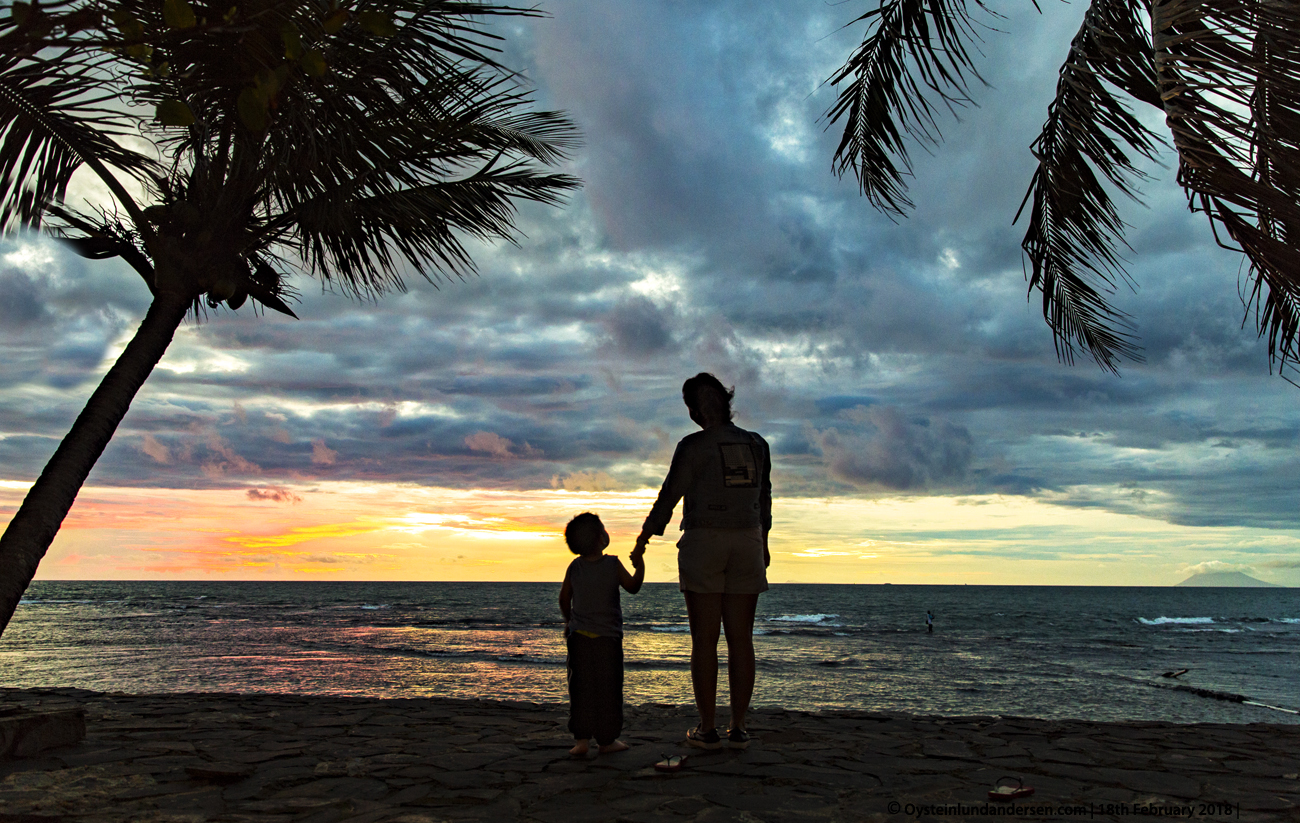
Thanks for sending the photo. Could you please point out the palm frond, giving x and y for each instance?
(914, 59)
(102, 237)
(1228, 72)
(1090, 137)
(379, 137)
(406, 143)
(55, 116)
(414, 171)
(351, 233)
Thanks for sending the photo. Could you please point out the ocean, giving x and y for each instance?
(1055, 652)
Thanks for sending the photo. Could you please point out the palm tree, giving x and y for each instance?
(1226, 75)
(354, 143)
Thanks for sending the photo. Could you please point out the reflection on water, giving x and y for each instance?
(1090, 653)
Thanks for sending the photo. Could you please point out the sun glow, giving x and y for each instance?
(376, 531)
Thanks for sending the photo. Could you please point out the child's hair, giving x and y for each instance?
(583, 534)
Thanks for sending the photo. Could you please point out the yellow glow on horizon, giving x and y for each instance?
(301, 534)
(497, 528)
(376, 531)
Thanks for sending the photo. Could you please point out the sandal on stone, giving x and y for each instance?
(1009, 792)
(702, 739)
(671, 763)
(737, 739)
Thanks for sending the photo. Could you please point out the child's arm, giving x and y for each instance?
(632, 582)
(566, 601)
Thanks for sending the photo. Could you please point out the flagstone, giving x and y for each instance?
(504, 810)
(1067, 770)
(1165, 784)
(217, 772)
(420, 761)
(209, 801)
(362, 787)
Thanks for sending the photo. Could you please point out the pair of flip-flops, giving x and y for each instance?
(671, 763)
(1009, 792)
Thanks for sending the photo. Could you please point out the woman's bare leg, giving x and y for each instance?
(704, 611)
(738, 621)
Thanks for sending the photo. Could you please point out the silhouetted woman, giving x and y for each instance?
(724, 472)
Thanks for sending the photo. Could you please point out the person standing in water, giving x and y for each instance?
(724, 473)
(929, 622)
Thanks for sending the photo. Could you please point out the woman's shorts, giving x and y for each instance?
(721, 561)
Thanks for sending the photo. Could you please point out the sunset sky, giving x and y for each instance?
(921, 426)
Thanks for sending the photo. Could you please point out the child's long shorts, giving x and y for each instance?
(595, 687)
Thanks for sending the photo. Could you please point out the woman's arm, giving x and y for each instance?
(673, 489)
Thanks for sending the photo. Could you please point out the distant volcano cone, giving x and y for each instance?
(1235, 580)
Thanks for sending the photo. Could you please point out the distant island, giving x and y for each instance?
(1232, 579)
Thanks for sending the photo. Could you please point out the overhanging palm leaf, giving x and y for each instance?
(1229, 75)
(913, 59)
(1074, 230)
(1226, 73)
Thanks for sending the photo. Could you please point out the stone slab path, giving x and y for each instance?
(288, 759)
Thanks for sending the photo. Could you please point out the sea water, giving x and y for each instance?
(1057, 652)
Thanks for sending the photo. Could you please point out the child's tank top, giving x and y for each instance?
(596, 609)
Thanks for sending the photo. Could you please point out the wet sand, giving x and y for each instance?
(292, 759)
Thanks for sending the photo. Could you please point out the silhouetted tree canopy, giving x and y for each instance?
(245, 141)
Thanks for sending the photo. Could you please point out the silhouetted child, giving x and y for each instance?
(593, 632)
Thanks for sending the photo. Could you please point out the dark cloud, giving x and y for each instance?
(20, 300)
(898, 453)
(640, 328)
(874, 356)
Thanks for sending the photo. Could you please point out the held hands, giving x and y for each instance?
(633, 583)
(638, 553)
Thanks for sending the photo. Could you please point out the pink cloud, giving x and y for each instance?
(321, 454)
(493, 444)
(155, 449)
(273, 493)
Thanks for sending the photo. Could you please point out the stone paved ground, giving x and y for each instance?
(287, 759)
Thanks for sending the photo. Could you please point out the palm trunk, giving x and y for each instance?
(37, 521)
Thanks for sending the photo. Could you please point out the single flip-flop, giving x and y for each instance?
(671, 763)
(1009, 792)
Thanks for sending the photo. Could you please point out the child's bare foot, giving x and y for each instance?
(581, 749)
(616, 746)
